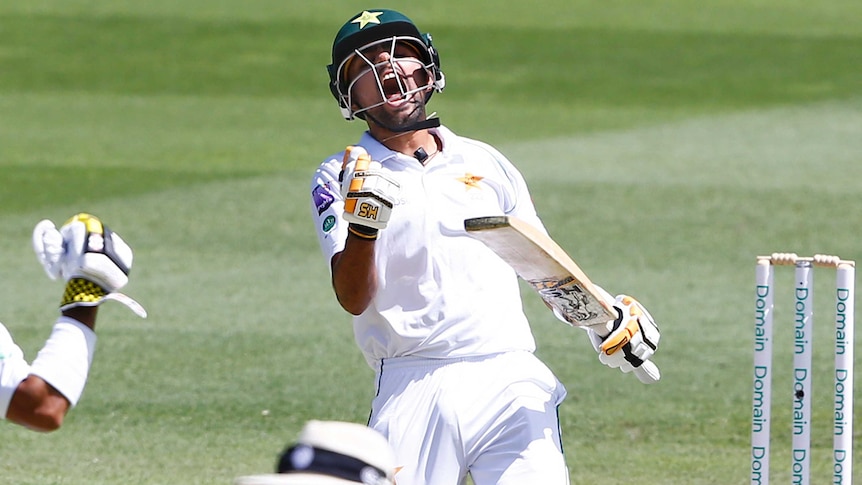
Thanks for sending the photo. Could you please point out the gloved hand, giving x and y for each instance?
(93, 260)
(369, 194)
(633, 339)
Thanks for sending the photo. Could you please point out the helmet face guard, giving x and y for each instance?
(383, 29)
(395, 85)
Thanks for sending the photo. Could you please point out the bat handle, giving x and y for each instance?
(603, 329)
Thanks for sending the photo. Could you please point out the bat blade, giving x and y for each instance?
(543, 264)
(546, 267)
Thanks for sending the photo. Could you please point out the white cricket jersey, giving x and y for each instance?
(13, 369)
(441, 294)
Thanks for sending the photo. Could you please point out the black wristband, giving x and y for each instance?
(361, 231)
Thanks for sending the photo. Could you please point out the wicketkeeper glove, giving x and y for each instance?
(93, 260)
(369, 194)
(633, 340)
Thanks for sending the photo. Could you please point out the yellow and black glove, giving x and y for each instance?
(93, 260)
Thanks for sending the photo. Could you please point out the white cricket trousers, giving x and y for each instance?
(494, 417)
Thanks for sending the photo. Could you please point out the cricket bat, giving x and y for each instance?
(549, 270)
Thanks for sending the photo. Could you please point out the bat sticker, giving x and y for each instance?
(568, 297)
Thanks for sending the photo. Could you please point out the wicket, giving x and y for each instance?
(842, 449)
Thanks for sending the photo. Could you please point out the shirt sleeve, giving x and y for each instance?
(517, 200)
(13, 369)
(327, 205)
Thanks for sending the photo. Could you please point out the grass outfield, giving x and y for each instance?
(666, 144)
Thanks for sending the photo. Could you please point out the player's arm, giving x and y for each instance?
(354, 274)
(94, 262)
(369, 196)
(38, 405)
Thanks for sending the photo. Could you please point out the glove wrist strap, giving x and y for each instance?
(83, 292)
(361, 231)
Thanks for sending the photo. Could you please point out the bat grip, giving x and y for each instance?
(603, 329)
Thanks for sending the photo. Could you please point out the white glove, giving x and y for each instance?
(632, 341)
(369, 194)
(93, 260)
(48, 245)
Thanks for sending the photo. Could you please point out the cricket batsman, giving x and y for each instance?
(436, 313)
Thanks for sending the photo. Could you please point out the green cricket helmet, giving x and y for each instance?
(369, 28)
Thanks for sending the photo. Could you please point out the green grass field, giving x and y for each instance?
(666, 144)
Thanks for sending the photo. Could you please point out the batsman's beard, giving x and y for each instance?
(397, 123)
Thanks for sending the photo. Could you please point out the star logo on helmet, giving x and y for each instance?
(367, 18)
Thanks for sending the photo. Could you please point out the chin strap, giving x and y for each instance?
(419, 125)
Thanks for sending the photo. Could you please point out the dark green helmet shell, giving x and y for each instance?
(371, 26)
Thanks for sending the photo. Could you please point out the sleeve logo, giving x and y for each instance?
(328, 223)
(322, 198)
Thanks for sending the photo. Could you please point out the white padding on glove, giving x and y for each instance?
(85, 250)
(369, 194)
(633, 339)
(48, 245)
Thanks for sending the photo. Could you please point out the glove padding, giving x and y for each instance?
(369, 194)
(633, 339)
(93, 260)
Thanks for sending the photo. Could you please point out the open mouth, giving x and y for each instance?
(392, 88)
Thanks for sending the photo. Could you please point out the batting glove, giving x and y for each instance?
(633, 340)
(369, 194)
(93, 260)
